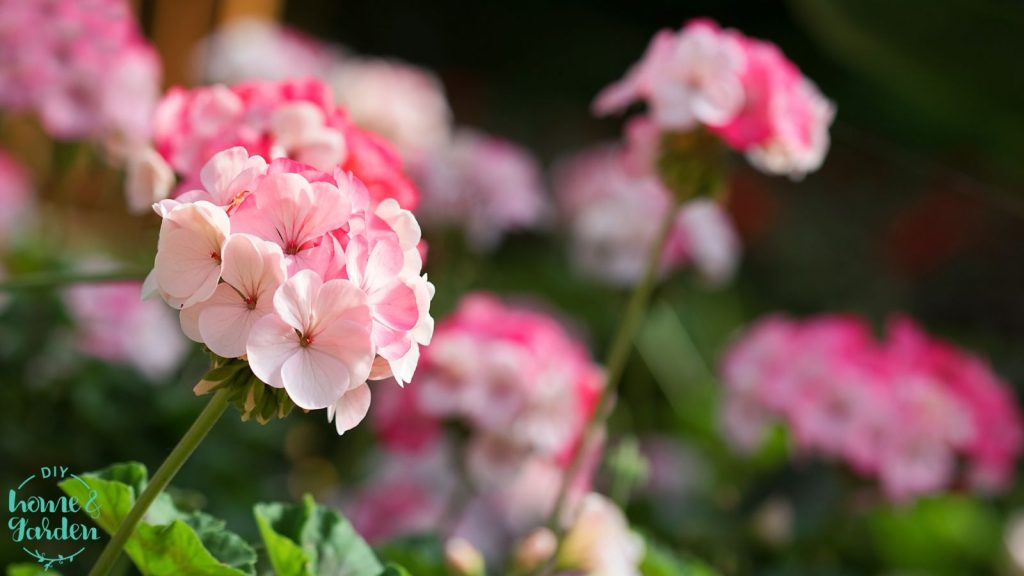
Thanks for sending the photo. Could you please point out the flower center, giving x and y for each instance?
(215, 256)
(305, 340)
(250, 302)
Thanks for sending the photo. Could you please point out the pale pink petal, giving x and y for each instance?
(148, 180)
(221, 169)
(189, 320)
(271, 343)
(225, 322)
(242, 259)
(395, 305)
(339, 300)
(351, 408)
(295, 299)
(315, 379)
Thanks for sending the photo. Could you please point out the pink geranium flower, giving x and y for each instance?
(742, 89)
(288, 119)
(252, 271)
(316, 346)
(609, 202)
(188, 258)
(484, 185)
(83, 67)
(301, 274)
(914, 412)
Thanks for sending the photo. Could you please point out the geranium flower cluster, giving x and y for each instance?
(742, 89)
(294, 119)
(473, 181)
(916, 413)
(401, 102)
(484, 185)
(83, 67)
(299, 272)
(521, 390)
(609, 208)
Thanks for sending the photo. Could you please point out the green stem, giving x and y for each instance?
(58, 279)
(615, 366)
(188, 443)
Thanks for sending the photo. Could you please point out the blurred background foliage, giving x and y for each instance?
(918, 209)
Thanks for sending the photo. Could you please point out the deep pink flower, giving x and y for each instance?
(293, 119)
(742, 89)
(914, 412)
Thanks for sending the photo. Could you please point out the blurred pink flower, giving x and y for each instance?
(691, 77)
(522, 388)
(293, 119)
(300, 273)
(248, 49)
(399, 101)
(783, 124)
(914, 412)
(511, 372)
(16, 197)
(83, 67)
(114, 325)
(601, 542)
(407, 494)
(742, 89)
(609, 207)
(484, 185)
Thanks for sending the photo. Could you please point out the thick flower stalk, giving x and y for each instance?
(299, 283)
(913, 412)
(706, 89)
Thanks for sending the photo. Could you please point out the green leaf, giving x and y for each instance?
(395, 570)
(309, 539)
(167, 541)
(29, 569)
(422, 555)
(951, 534)
(659, 561)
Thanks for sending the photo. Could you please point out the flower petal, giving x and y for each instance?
(271, 343)
(351, 408)
(314, 379)
(294, 300)
(225, 322)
